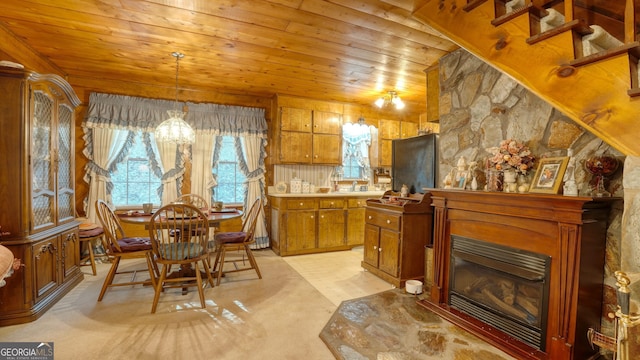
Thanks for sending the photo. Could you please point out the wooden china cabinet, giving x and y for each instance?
(37, 192)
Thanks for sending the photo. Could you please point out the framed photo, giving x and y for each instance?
(459, 178)
(548, 177)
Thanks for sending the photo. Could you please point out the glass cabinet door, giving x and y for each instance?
(65, 164)
(42, 188)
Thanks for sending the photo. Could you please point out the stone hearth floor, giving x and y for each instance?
(391, 326)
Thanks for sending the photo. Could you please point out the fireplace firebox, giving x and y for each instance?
(525, 272)
(501, 286)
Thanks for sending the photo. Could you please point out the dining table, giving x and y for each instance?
(214, 218)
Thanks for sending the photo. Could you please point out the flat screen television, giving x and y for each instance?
(415, 163)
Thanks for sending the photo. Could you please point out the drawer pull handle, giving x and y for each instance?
(332, 203)
(301, 204)
(388, 221)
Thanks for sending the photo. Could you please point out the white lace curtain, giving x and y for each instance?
(108, 132)
(357, 140)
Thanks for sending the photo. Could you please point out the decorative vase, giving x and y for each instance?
(510, 184)
(494, 180)
(474, 183)
(523, 183)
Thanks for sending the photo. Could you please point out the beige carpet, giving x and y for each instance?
(278, 317)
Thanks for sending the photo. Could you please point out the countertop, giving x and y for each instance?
(371, 194)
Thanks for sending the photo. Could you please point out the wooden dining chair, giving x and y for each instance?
(238, 241)
(193, 199)
(186, 251)
(119, 246)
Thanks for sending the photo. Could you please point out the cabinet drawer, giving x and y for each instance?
(383, 220)
(301, 204)
(331, 204)
(357, 203)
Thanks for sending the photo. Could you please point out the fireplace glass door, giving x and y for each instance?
(504, 287)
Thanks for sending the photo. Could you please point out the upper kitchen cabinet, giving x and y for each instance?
(308, 132)
(388, 131)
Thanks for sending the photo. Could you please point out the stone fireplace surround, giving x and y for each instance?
(570, 230)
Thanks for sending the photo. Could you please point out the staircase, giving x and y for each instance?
(597, 90)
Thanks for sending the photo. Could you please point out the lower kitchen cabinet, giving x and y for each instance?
(308, 224)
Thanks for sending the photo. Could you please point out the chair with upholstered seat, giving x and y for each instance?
(87, 234)
(238, 241)
(186, 251)
(119, 246)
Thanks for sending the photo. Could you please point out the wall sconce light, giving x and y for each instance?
(391, 98)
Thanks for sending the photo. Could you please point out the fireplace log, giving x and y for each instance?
(528, 304)
(504, 306)
(508, 290)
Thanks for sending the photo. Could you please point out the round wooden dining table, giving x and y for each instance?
(215, 217)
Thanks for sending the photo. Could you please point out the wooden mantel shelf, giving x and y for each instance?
(571, 231)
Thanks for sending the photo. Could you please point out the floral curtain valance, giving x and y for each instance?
(136, 113)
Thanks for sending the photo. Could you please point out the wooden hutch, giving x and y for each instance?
(37, 192)
(397, 229)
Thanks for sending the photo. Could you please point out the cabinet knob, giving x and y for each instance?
(312, 217)
(301, 204)
(332, 203)
(379, 249)
(375, 247)
(388, 221)
(370, 217)
(322, 217)
(307, 155)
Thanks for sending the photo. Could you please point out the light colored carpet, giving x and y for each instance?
(278, 317)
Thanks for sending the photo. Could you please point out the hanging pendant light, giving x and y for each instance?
(175, 129)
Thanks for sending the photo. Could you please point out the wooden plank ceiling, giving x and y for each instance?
(337, 50)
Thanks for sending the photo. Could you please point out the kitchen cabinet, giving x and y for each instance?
(312, 224)
(396, 233)
(37, 192)
(388, 131)
(309, 137)
(355, 221)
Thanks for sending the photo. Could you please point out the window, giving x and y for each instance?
(355, 151)
(230, 179)
(133, 181)
(351, 169)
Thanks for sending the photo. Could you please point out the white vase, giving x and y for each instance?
(510, 184)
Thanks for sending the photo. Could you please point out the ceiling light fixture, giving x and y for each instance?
(391, 98)
(175, 129)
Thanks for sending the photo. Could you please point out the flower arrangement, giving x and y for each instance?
(511, 154)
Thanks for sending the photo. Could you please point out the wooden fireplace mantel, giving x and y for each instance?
(570, 230)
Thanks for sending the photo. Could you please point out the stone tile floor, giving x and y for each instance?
(391, 326)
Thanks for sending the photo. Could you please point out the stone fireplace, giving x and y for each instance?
(523, 271)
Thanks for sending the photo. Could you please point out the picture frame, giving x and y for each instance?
(549, 175)
(459, 178)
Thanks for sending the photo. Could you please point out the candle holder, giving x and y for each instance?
(601, 167)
